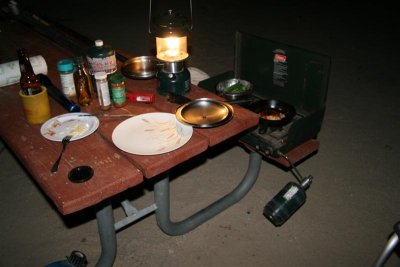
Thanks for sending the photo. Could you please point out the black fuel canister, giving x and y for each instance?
(285, 203)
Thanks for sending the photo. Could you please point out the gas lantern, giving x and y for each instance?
(171, 26)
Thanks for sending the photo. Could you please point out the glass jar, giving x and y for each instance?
(118, 94)
(65, 68)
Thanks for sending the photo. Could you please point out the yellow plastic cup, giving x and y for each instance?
(36, 107)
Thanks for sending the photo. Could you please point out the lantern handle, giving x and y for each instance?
(191, 15)
(150, 17)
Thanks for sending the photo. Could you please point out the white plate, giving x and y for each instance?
(151, 134)
(69, 124)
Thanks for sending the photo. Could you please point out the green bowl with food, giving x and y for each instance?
(234, 89)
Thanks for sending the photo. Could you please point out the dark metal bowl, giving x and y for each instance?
(223, 86)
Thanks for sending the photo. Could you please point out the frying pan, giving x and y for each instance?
(273, 113)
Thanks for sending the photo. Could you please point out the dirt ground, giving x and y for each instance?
(352, 205)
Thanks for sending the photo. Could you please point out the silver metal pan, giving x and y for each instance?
(144, 67)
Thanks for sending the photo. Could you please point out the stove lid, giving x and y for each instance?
(280, 71)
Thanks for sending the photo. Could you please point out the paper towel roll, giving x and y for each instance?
(10, 72)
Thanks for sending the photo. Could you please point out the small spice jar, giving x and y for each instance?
(103, 91)
(118, 94)
(66, 70)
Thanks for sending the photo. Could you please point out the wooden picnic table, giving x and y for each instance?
(115, 171)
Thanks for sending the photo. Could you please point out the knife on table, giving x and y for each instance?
(107, 115)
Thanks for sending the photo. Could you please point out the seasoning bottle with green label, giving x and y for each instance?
(118, 94)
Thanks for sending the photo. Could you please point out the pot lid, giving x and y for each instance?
(205, 113)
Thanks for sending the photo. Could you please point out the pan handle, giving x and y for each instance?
(262, 129)
(239, 101)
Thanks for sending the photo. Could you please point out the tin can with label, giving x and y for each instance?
(101, 57)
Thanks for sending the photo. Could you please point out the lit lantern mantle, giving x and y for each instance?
(171, 49)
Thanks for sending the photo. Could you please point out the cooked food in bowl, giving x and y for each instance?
(272, 115)
(233, 89)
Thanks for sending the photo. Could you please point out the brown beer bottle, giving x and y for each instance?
(83, 83)
(30, 84)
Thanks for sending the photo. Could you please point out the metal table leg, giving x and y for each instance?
(108, 239)
(389, 247)
(107, 228)
(161, 195)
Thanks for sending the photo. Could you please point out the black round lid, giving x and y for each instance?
(80, 174)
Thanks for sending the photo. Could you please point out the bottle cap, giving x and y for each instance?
(98, 43)
(78, 60)
(65, 65)
(100, 75)
(116, 78)
(21, 50)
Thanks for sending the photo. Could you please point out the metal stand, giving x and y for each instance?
(107, 228)
(161, 195)
(1, 146)
(389, 248)
(108, 239)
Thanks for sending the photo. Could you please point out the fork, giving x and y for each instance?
(64, 143)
